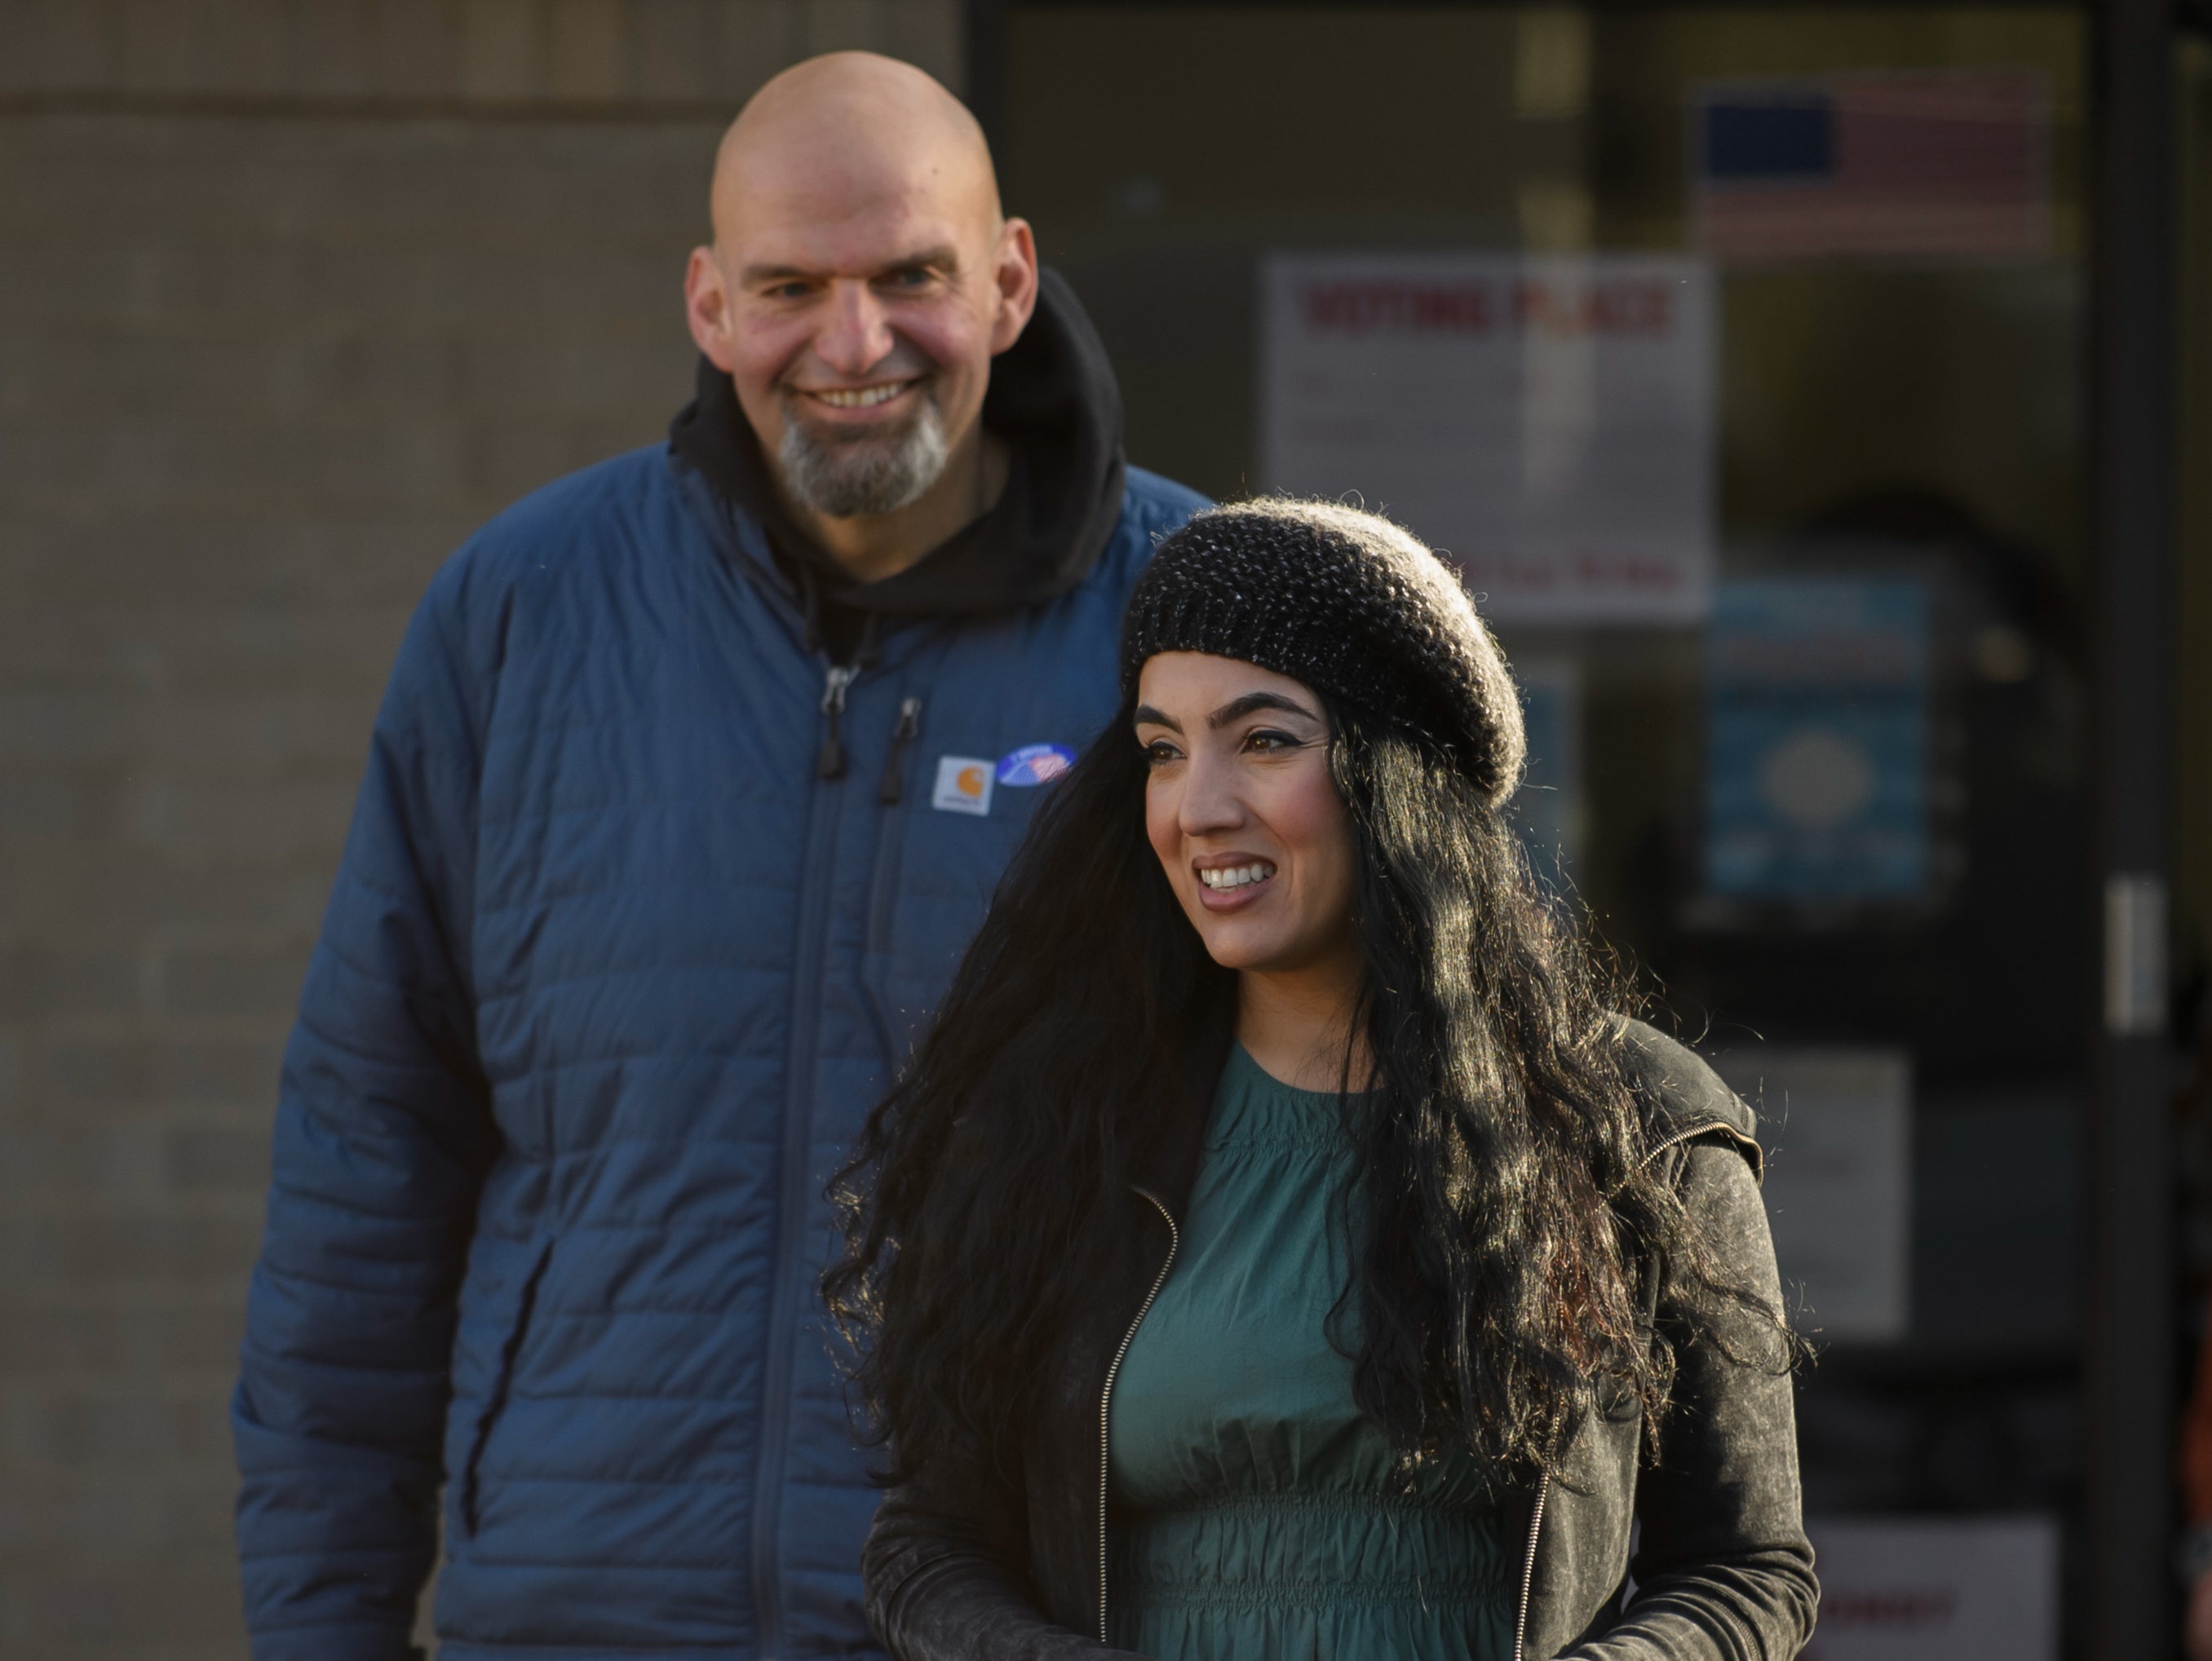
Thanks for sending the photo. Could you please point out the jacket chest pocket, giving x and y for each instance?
(933, 874)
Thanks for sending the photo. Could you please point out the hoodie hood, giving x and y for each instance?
(1052, 400)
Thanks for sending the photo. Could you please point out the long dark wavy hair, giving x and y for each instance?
(1501, 1176)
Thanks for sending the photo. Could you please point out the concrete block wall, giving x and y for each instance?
(516, 55)
(292, 293)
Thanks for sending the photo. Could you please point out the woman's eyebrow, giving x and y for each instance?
(1236, 708)
(1147, 716)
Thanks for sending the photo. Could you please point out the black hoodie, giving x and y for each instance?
(1054, 400)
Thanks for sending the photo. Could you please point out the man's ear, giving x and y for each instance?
(1017, 275)
(706, 309)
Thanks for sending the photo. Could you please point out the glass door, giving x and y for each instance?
(1738, 355)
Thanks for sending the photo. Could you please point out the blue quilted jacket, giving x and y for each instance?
(608, 980)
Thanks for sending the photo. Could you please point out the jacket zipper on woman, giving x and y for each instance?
(1529, 1563)
(1692, 1134)
(1106, 1397)
(1544, 1485)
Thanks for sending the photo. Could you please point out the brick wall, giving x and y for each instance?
(291, 296)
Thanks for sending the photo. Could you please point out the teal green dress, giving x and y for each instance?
(1255, 1516)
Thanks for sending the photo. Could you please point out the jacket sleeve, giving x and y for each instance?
(942, 1584)
(1724, 1571)
(382, 1138)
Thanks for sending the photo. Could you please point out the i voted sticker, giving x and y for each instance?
(964, 785)
(1035, 764)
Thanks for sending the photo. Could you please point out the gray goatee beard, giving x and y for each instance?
(844, 479)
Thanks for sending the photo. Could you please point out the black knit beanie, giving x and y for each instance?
(1346, 602)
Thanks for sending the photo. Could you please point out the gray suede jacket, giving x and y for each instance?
(962, 1566)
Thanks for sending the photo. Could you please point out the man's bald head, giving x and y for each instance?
(862, 279)
(850, 128)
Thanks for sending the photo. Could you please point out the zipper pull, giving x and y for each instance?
(830, 763)
(889, 791)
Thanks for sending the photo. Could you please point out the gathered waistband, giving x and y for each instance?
(1314, 1550)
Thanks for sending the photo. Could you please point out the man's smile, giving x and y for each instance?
(859, 397)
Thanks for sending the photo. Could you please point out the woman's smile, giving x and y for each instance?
(1232, 882)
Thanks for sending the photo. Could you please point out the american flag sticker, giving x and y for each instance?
(1943, 166)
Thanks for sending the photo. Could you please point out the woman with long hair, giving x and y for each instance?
(1280, 1246)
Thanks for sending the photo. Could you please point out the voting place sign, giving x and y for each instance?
(1546, 423)
(1936, 1588)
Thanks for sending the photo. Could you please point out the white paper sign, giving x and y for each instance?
(1546, 422)
(1837, 1124)
(1935, 1589)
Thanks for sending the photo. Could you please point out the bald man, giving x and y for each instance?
(694, 777)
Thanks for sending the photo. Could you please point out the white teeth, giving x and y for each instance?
(1235, 876)
(863, 397)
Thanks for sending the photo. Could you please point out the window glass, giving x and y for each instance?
(1831, 806)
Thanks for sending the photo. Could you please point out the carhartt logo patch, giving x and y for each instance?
(964, 785)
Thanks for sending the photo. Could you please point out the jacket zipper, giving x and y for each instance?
(1535, 1529)
(891, 790)
(785, 1301)
(1691, 1135)
(1106, 1397)
(830, 763)
(1529, 1564)
(1544, 1485)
